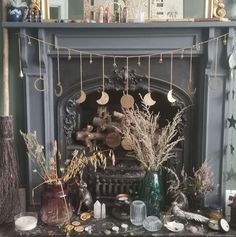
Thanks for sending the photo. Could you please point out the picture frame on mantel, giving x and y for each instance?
(165, 10)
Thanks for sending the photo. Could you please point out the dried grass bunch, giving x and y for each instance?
(151, 144)
(200, 184)
(48, 169)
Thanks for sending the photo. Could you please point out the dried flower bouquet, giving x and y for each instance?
(151, 144)
(47, 170)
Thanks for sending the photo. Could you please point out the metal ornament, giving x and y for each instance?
(59, 88)
(69, 55)
(127, 101)
(139, 62)
(191, 91)
(40, 78)
(147, 98)
(82, 96)
(90, 58)
(104, 99)
(161, 59)
(21, 75)
(170, 97)
(114, 63)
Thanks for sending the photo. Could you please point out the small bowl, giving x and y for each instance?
(26, 221)
(152, 223)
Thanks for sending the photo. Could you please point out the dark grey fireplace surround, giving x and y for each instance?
(207, 135)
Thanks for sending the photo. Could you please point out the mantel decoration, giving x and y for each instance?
(127, 100)
(55, 207)
(153, 147)
(17, 10)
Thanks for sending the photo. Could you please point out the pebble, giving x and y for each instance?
(107, 232)
(124, 226)
(115, 229)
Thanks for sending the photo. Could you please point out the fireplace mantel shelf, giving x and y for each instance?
(182, 24)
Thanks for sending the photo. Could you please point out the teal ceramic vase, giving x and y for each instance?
(152, 193)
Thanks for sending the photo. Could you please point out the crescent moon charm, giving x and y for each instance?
(127, 101)
(103, 99)
(36, 84)
(82, 97)
(191, 91)
(170, 98)
(59, 90)
(148, 99)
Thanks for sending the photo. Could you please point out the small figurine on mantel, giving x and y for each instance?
(35, 11)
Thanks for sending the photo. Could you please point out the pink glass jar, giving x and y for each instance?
(55, 208)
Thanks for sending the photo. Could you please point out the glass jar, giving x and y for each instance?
(138, 212)
(55, 208)
(215, 212)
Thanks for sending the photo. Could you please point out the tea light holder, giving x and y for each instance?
(26, 221)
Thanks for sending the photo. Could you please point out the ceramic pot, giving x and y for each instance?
(15, 14)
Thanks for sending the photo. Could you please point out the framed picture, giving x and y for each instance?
(165, 9)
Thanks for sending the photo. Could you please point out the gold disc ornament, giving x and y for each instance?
(127, 101)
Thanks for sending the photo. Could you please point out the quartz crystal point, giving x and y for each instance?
(103, 211)
(97, 209)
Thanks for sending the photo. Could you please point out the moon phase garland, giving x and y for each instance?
(91, 54)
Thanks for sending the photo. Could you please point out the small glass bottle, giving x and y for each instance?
(215, 212)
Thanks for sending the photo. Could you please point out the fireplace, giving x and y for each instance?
(59, 117)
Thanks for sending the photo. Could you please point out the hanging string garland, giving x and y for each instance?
(191, 91)
(104, 99)
(83, 96)
(40, 78)
(59, 88)
(147, 98)
(170, 97)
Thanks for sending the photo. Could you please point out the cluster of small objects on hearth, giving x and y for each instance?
(134, 219)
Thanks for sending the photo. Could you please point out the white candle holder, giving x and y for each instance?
(26, 221)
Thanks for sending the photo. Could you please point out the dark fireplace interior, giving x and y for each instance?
(73, 118)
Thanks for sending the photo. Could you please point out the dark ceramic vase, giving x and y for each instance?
(152, 193)
(55, 208)
(15, 14)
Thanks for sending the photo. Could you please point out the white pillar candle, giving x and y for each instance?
(25, 223)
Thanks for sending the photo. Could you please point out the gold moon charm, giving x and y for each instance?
(126, 145)
(191, 91)
(170, 97)
(103, 99)
(82, 97)
(36, 84)
(148, 99)
(59, 90)
(127, 101)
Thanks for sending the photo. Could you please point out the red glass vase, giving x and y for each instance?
(55, 208)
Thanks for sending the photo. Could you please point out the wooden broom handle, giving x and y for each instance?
(5, 69)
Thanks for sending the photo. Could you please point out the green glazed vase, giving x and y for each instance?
(152, 193)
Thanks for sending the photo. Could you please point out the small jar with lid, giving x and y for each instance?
(215, 212)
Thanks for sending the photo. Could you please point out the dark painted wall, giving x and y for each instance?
(16, 97)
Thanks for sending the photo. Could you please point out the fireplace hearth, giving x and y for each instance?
(60, 117)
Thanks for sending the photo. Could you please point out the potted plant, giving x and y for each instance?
(153, 147)
(16, 10)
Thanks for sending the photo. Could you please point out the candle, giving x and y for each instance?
(25, 222)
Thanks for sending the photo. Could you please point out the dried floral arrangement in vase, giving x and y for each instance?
(58, 212)
(197, 186)
(153, 147)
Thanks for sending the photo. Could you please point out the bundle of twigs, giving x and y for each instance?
(9, 198)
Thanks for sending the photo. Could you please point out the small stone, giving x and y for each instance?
(107, 232)
(115, 229)
(124, 226)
